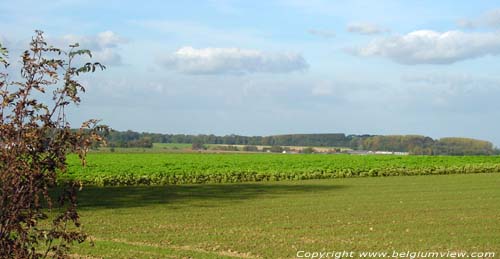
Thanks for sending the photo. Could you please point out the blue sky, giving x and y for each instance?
(275, 67)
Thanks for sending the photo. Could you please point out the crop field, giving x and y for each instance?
(108, 169)
(277, 219)
(171, 145)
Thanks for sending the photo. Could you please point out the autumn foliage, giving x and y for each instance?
(35, 137)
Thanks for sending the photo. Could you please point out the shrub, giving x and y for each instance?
(35, 137)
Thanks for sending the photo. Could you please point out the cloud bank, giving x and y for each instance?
(190, 60)
(103, 46)
(431, 47)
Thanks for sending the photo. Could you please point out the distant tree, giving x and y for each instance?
(198, 145)
(308, 150)
(225, 148)
(250, 148)
(414, 144)
(35, 137)
(143, 142)
(276, 149)
(463, 146)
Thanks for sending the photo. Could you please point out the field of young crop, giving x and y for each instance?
(106, 169)
(457, 213)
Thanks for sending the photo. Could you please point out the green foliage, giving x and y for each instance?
(463, 146)
(169, 168)
(420, 145)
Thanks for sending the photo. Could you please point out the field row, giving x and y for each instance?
(108, 169)
(277, 219)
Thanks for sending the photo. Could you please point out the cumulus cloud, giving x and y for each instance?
(488, 19)
(103, 45)
(365, 28)
(327, 34)
(431, 47)
(190, 60)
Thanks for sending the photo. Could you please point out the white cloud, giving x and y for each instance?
(103, 45)
(327, 34)
(431, 47)
(108, 56)
(102, 40)
(109, 39)
(232, 61)
(365, 28)
(488, 19)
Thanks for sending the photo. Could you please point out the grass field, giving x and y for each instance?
(172, 146)
(277, 219)
(181, 168)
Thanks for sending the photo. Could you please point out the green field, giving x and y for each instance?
(157, 148)
(173, 146)
(141, 205)
(277, 219)
(181, 168)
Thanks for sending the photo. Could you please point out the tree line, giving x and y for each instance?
(414, 144)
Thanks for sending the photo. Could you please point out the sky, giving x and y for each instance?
(279, 66)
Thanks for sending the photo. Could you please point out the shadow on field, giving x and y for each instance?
(137, 196)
